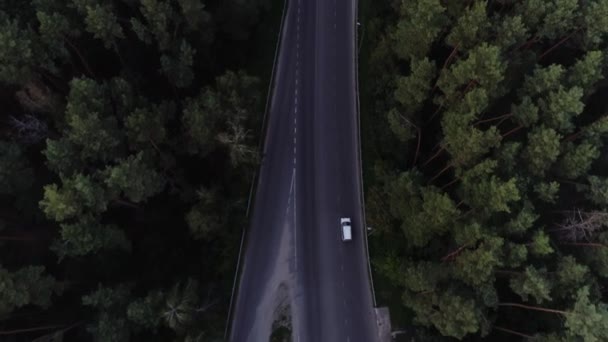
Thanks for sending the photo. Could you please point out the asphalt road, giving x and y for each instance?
(296, 271)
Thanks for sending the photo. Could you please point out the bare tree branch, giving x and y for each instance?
(579, 226)
(29, 129)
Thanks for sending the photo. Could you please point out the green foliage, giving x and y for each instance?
(16, 175)
(413, 90)
(158, 16)
(576, 160)
(595, 17)
(26, 286)
(476, 267)
(511, 31)
(17, 56)
(559, 18)
(571, 275)
(108, 186)
(484, 65)
(587, 321)
(419, 25)
(234, 98)
(181, 305)
(203, 219)
(597, 258)
(451, 314)
(77, 194)
(547, 192)
(526, 113)
(471, 27)
(597, 192)
(542, 150)
(133, 178)
(516, 255)
(464, 142)
(486, 192)
(147, 125)
(540, 245)
(504, 100)
(423, 212)
(88, 236)
(523, 220)
(111, 325)
(543, 80)
(424, 276)
(560, 107)
(178, 69)
(532, 283)
(90, 126)
(62, 156)
(146, 311)
(101, 22)
(587, 71)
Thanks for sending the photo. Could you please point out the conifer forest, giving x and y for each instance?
(129, 141)
(489, 195)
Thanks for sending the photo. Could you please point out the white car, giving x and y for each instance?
(347, 230)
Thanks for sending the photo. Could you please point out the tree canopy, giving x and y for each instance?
(127, 147)
(486, 124)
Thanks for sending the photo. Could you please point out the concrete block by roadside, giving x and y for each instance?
(383, 319)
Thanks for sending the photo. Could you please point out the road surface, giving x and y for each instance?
(296, 271)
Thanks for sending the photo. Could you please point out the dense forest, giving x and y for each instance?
(488, 199)
(128, 140)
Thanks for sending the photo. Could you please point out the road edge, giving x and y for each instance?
(261, 147)
(359, 153)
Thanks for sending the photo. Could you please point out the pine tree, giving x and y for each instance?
(451, 314)
(471, 28)
(511, 31)
(16, 175)
(576, 160)
(26, 286)
(476, 266)
(587, 71)
(420, 24)
(91, 127)
(178, 67)
(542, 149)
(532, 283)
(133, 178)
(88, 236)
(101, 21)
(412, 91)
(77, 195)
(17, 55)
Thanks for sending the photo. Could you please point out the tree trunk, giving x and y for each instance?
(454, 253)
(504, 116)
(27, 330)
(512, 131)
(583, 244)
(16, 238)
(535, 308)
(80, 56)
(558, 44)
(441, 172)
(433, 157)
(434, 114)
(417, 146)
(126, 203)
(450, 183)
(513, 332)
(445, 64)
(527, 44)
